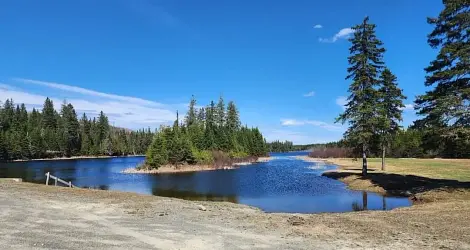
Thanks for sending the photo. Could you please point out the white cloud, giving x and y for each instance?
(342, 34)
(318, 26)
(408, 107)
(123, 111)
(342, 101)
(324, 125)
(309, 94)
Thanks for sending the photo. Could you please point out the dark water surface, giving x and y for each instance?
(282, 185)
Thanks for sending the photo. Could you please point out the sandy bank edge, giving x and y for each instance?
(354, 182)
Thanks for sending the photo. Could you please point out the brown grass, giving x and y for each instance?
(422, 179)
(449, 169)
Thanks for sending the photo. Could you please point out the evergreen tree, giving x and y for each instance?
(446, 108)
(361, 110)
(220, 113)
(86, 143)
(191, 116)
(233, 119)
(390, 109)
(70, 130)
(49, 125)
(157, 154)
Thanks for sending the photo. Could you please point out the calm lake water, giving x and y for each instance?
(282, 185)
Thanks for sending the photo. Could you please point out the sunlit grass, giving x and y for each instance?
(452, 169)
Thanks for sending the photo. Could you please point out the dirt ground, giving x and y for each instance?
(45, 217)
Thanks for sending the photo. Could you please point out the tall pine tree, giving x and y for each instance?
(446, 108)
(390, 109)
(361, 109)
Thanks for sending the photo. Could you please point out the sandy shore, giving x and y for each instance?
(190, 168)
(47, 217)
(78, 158)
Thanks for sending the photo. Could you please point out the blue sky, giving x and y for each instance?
(282, 62)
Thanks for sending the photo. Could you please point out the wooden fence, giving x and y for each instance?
(57, 179)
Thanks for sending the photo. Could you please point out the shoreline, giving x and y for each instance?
(353, 182)
(353, 179)
(77, 158)
(418, 189)
(168, 169)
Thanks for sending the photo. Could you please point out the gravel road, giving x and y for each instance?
(45, 217)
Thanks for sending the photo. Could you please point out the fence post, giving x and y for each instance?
(47, 178)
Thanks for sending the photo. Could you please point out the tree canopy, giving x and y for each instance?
(206, 136)
(49, 133)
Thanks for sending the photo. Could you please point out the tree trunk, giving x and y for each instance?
(383, 157)
(364, 161)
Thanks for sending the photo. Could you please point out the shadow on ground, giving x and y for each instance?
(402, 185)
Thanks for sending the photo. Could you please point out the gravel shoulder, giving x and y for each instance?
(45, 217)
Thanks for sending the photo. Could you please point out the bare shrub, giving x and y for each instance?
(331, 152)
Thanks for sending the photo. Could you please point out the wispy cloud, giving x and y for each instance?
(342, 34)
(318, 26)
(408, 107)
(324, 125)
(124, 111)
(342, 101)
(88, 92)
(309, 94)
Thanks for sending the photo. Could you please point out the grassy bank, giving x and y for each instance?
(424, 179)
(450, 169)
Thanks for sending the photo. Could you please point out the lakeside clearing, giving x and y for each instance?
(422, 179)
(167, 169)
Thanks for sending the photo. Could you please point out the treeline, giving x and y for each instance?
(288, 146)
(281, 146)
(50, 133)
(405, 143)
(208, 135)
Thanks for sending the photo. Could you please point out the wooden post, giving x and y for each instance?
(47, 178)
(70, 184)
(55, 181)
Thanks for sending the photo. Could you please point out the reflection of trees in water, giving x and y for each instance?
(101, 187)
(191, 195)
(360, 207)
(356, 206)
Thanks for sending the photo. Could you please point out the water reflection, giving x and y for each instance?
(190, 195)
(282, 185)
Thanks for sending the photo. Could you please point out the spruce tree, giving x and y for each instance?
(390, 109)
(361, 109)
(233, 119)
(70, 130)
(49, 124)
(191, 116)
(220, 113)
(157, 154)
(446, 108)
